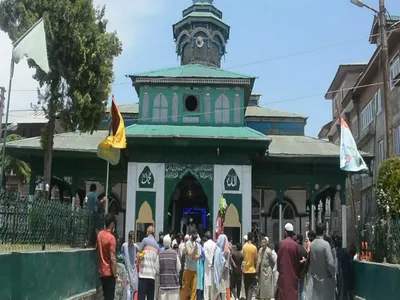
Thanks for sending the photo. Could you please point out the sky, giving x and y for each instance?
(293, 47)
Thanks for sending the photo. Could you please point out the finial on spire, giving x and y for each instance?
(203, 1)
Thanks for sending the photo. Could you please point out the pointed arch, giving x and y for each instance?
(200, 29)
(232, 217)
(219, 34)
(160, 109)
(145, 214)
(183, 33)
(222, 110)
(289, 209)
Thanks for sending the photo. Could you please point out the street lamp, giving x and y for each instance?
(381, 13)
(361, 4)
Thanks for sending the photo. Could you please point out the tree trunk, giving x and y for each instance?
(48, 156)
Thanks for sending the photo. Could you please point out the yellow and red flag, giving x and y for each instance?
(109, 148)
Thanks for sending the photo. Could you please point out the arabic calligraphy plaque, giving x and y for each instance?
(232, 181)
(178, 171)
(146, 179)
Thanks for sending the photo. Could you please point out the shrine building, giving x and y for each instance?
(198, 133)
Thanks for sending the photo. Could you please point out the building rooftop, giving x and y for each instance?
(26, 117)
(198, 14)
(342, 70)
(198, 132)
(257, 111)
(192, 71)
(303, 146)
(281, 146)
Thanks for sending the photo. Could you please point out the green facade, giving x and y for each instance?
(55, 275)
(217, 106)
(375, 281)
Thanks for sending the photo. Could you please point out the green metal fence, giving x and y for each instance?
(43, 225)
(383, 239)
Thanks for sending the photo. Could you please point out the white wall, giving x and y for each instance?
(244, 174)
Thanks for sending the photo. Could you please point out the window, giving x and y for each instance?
(367, 115)
(396, 140)
(378, 102)
(381, 153)
(191, 103)
(342, 92)
(394, 69)
(160, 109)
(222, 110)
(335, 105)
(354, 127)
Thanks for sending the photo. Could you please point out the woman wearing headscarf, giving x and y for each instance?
(221, 266)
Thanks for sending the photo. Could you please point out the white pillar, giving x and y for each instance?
(344, 225)
(246, 199)
(131, 187)
(218, 186)
(313, 225)
(280, 222)
(160, 196)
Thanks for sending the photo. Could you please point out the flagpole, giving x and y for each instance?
(3, 156)
(108, 163)
(108, 178)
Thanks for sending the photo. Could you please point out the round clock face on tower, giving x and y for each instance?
(199, 42)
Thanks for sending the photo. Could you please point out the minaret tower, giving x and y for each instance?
(201, 35)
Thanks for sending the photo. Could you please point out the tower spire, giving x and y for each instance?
(201, 35)
(200, 1)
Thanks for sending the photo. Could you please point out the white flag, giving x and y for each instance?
(33, 45)
(350, 158)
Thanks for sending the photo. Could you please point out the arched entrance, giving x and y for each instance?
(190, 202)
(289, 216)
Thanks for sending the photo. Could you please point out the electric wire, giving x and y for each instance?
(263, 60)
(244, 107)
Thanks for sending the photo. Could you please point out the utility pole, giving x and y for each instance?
(2, 101)
(386, 94)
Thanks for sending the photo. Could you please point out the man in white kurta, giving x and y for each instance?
(209, 250)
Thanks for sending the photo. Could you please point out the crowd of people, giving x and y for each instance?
(194, 267)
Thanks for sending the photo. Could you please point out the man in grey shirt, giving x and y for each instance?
(322, 267)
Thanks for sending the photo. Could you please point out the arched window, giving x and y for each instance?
(287, 211)
(222, 110)
(160, 109)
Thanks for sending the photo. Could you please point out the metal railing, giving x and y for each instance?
(44, 225)
(383, 240)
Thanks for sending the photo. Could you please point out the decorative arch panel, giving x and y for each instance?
(222, 110)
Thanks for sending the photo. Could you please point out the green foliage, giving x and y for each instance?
(81, 54)
(388, 188)
(12, 164)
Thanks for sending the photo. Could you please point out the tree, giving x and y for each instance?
(388, 187)
(20, 167)
(81, 54)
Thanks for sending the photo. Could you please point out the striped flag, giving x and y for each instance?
(109, 148)
(350, 159)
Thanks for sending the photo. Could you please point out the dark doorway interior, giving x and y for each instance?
(189, 202)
